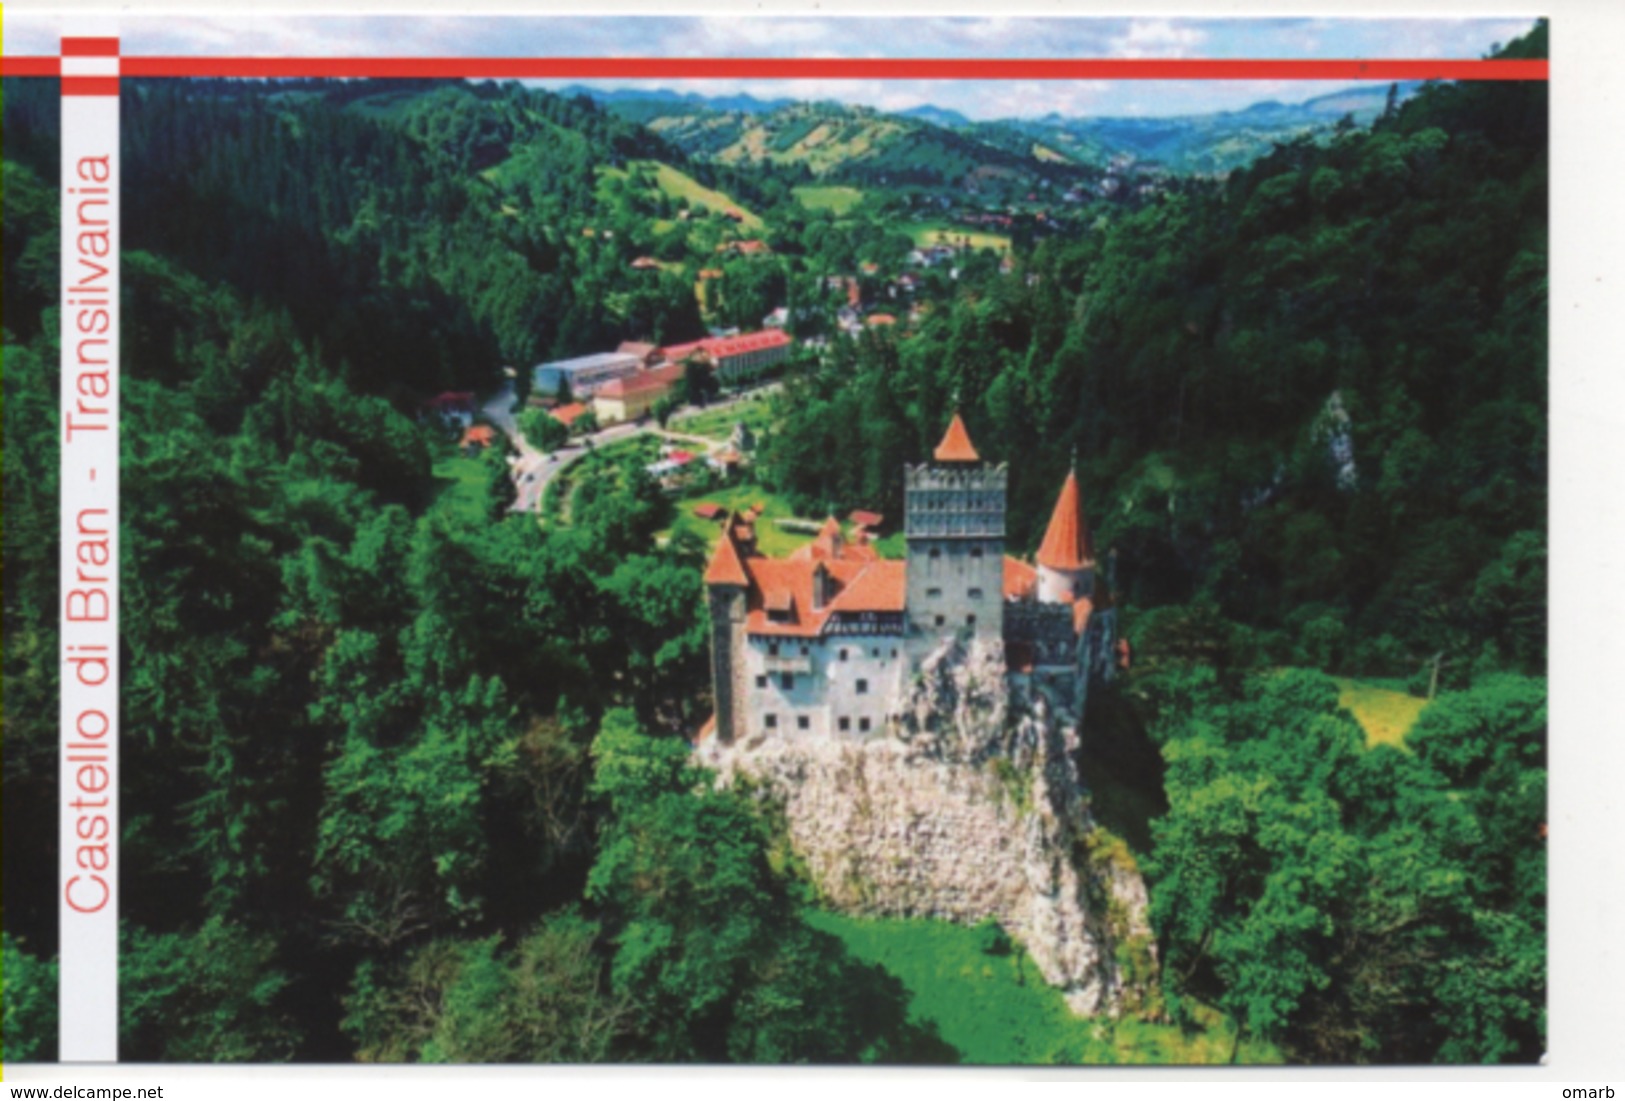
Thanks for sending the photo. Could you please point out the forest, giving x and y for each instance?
(406, 784)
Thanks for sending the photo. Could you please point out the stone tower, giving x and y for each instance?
(1066, 560)
(726, 589)
(954, 525)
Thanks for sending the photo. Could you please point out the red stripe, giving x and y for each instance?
(90, 47)
(801, 68)
(90, 85)
(30, 66)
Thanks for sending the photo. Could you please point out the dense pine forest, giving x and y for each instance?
(407, 783)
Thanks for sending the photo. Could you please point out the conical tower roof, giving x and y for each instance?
(1066, 542)
(726, 568)
(956, 446)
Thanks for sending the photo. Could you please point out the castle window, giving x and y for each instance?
(771, 722)
(936, 552)
(772, 649)
(941, 620)
(932, 593)
(846, 724)
(970, 620)
(863, 725)
(787, 681)
(804, 651)
(875, 652)
(975, 594)
(761, 681)
(894, 651)
(976, 552)
(843, 654)
(863, 686)
(803, 722)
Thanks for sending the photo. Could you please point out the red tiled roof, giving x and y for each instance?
(656, 378)
(858, 580)
(956, 446)
(1066, 542)
(482, 434)
(1081, 608)
(749, 342)
(866, 519)
(880, 319)
(1019, 579)
(726, 567)
(566, 414)
(883, 587)
(707, 510)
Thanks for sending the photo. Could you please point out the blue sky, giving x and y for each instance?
(804, 36)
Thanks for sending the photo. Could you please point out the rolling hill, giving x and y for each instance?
(933, 145)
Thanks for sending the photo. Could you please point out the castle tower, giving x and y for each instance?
(1066, 561)
(726, 588)
(954, 525)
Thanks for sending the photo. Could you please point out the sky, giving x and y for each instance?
(799, 36)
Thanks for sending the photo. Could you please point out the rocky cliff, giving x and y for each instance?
(967, 808)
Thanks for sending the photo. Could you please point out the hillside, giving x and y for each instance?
(856, 145)
(1208, 143)
(860, 144)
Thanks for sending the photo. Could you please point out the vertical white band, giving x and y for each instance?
(88, 613)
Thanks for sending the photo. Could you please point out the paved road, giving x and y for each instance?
(533, 470)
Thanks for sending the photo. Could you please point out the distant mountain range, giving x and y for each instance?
(860, 143)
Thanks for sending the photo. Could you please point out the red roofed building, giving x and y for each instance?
(633, 396)
(819, 643)
(567, 414)
(478, 436)
(1065, 559)
(736, 357)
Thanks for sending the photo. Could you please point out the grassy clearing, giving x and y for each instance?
(771, 540)
(680, 185)
(839, 199)
(998, 1009)
(1385, 715)
(718, 424)
(462, 489)
(946, 233)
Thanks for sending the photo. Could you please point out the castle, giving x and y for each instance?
(819, 643)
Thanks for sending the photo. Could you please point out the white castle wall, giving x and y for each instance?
(824, 685)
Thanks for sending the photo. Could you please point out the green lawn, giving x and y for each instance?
(462, 489)
(771, 540)
(718, 424)
(1385, 715)
(946, 233)
(680, 185)
(839, 199)
(998, 1009)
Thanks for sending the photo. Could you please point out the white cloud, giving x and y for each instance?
(1157, 38)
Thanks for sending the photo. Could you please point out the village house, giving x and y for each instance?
(736, 358)
(634, 396)
(583, 374)
(454, 410)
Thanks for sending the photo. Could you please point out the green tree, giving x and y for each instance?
(543, 430)
(705, 934)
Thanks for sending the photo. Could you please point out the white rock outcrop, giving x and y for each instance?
(968, 807)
